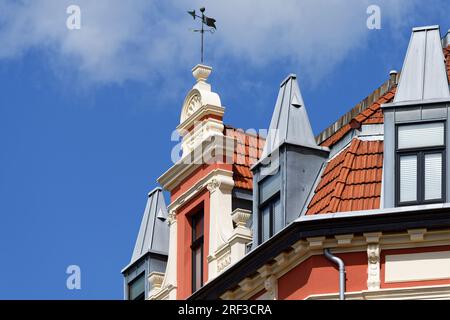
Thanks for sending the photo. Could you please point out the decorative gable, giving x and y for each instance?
(202, 112)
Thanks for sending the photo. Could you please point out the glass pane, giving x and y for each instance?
(277, 215)
(198, 268)
(266, 223)
(197, 226)
(137, 288)
(408, 178)
(433, 176)
(421, 135)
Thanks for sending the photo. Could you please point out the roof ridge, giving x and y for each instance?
(356, 110)
(357, 120)
(249, 134)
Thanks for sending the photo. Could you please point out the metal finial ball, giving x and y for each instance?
(202, 9)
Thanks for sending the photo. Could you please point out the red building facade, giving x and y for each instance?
(358, 212)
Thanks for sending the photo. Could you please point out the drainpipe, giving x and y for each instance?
(340, 263)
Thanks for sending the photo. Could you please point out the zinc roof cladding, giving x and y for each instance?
(351, 181)
(424, 75)
(154, 231)
(290, 121)
(247, 151)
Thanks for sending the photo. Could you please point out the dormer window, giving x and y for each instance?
(137, 288)
(420, 163)
(271, 217)
(291, 160)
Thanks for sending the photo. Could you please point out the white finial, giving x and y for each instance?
(201, 74)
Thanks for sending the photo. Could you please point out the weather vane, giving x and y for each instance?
(209, 22)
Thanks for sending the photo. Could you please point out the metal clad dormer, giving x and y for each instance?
(154, 232)
(290, 122)
(423, 76)
(151, 249)
(289, 165)
(415, 172)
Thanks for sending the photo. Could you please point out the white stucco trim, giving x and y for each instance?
(371, 243)
(190, 162)
(417, 266)
(412, 293)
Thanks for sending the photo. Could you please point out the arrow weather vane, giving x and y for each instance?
(209, 22)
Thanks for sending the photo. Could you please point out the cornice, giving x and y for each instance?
(304, 249)
(200, 114)
(220, 177)
(192, 161)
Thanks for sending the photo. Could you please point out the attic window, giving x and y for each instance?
(270, 220)
(137, 288)
(270, 216)
(420, 163)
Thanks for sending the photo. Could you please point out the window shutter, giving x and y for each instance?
(421, 135)
(433, 176)
(408, 178)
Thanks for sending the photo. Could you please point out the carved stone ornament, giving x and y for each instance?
(172, 217)
(213, 185)
(271, 285)
(194, 104)
(223, 261)
(156, 280)
(373, 269)
(241, 217)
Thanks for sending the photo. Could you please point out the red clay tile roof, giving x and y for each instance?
(351, 181)
(248, 150)
(371, 115)
(447, 59)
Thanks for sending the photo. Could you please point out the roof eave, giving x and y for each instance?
(415, 103)
(152, 253)
(393, 219)
(292, 144)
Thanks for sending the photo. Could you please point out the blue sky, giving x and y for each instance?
(86, 116)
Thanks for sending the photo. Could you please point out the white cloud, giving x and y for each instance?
(137, 39)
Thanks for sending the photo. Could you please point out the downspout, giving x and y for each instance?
(340, 263)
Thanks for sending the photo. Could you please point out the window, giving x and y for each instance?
(136, 289)
(271, 220)
(197, 251)
(420, 163)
